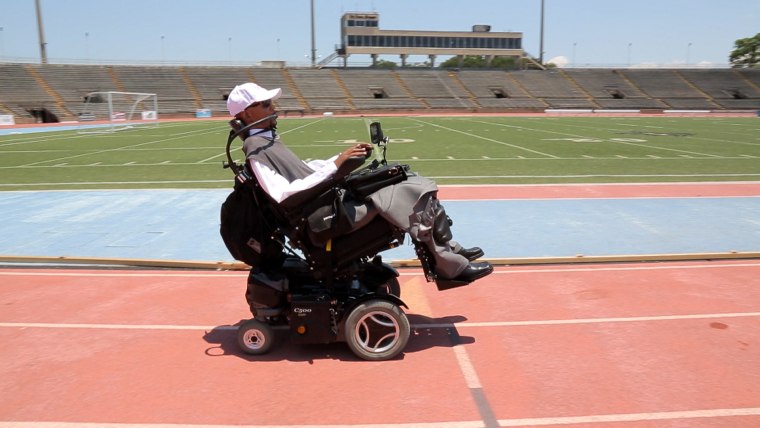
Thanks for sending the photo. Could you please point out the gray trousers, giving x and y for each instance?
(411, 206)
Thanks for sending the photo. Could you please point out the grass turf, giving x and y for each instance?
(451, 150)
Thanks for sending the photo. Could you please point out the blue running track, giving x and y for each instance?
(183, 225)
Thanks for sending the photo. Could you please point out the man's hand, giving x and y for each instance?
(360, 150)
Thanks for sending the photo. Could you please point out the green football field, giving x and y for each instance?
(452, 150)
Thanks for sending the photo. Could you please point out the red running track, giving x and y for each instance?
(580, 191)
(613, 345)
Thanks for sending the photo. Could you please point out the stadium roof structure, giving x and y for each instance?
(360, 34)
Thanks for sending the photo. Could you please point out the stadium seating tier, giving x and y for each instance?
(60, 89)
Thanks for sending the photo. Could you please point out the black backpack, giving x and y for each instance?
(246, 230)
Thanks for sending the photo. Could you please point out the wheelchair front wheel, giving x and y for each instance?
(255, 337)
(377, 330)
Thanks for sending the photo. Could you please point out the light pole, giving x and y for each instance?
(313, 41)
(541, 41)
(229, 49)
(688, 53)
(2, 47)
(41, 32)
(163, 56)
(574, 45)
(629, 54)
(87, 47)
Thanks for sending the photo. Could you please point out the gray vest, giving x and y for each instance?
(272, 153)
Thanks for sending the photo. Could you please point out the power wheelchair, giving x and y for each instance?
(320, 284)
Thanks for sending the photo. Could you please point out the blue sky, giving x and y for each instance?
(576, 32)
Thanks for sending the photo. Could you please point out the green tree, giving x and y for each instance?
(507, 62)
(746, 52)
(475, 61)
(383, 63)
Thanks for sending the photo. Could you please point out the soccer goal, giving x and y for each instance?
(113, 111)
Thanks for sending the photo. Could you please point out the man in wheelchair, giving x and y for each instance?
(410, 205)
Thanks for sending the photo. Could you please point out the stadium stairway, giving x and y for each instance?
(191, 87)
(59, 102)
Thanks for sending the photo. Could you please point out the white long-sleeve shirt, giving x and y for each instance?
(279, 188)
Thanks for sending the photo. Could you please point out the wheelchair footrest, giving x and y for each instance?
(447, 284)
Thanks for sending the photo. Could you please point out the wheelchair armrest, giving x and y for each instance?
(348, 166)
(299, 200)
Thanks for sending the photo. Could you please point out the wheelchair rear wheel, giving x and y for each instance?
(377, 330)
(255, 337)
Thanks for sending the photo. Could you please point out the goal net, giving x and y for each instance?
(113, 111)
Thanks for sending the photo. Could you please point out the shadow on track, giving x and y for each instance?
(426, 333)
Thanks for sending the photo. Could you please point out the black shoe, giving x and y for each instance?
(474, 271)
(471, 254)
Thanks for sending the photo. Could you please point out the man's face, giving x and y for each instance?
(258, 111)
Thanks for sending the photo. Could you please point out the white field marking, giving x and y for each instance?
(449, 158)
(485, 138)
(713, 140)
(546, 421)
(414, 158)
(422, 326)
(212, 157)
(632, 417)
(41, 139)
(610, 141)
(175, 137)
(466, 367)
(32, 138)
(116, 326)
(143, 149)
(302, 126)
(36, 424)
(56, 136)
(691, 137)
(282, 133)
(432, 177)
(95, 183)
(609, 320)
(640, 126)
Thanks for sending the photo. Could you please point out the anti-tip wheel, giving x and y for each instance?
(255, 337)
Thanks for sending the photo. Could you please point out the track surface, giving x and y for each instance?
(517, 221)
(593, 345)
(631, 345)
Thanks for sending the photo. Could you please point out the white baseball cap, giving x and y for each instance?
(248, 93)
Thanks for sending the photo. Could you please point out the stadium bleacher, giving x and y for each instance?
(27, 89)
